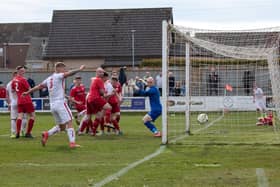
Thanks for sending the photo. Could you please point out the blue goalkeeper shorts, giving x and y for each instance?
(154, 114)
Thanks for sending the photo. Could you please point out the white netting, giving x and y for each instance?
(240, 59)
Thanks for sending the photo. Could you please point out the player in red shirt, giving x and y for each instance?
(118, 87)
(114, 101)
(95, 103)
(78, 97)
(267, 120)
(25, 105)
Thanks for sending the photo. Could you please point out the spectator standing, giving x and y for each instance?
(44, 92)
(248, 80)
(177, 89)
(31, 83)
(122, 76)
(159, 83)
(183, 88)
(213, 81)
(171, 81)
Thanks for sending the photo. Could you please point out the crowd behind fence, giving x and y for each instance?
(203, 81)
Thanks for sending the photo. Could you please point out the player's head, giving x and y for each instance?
(114, 81)
(21, 70)
(60, 67)
(99, 72)
(105, 76)
(114, 73)
(270, 112)
(150, 81)
(78, 80)
(14, 73)
(255, 85)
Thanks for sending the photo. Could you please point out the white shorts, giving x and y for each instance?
(61, 112)
(260, 104)
(14, 112)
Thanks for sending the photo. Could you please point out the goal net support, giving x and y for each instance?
(217, 73)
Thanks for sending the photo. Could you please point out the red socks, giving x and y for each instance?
(30, 126)
(18, 122)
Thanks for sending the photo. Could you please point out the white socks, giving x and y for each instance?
(71, 135)
(13, 126)
(54, 130)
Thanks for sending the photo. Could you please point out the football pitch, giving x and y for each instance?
(218, 153)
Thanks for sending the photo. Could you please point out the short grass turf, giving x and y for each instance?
(217, 156)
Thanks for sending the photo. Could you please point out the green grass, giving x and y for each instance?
(224, 154)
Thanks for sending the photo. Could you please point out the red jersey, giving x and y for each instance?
(96, 85)
(118, 90)
(3, 92)
(79, 94)
(20, 85)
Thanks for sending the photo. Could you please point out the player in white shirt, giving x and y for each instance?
(12, 105)
(59, 108)
(109, 90)
(259, 99)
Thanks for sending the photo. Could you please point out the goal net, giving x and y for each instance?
(226, 75)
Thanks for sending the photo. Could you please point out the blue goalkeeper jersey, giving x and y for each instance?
(154, 97)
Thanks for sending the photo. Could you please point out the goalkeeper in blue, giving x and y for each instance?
(154, 96)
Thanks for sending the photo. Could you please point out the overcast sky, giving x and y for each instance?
(212, 14)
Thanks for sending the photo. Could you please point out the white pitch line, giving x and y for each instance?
(262, 180)
(129, 167)
(197, 131)
(156, 153)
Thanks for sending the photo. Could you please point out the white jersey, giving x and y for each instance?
(56, 86)
(59, 108)
(108, 87)
(258, 93)
(12, 94)
(259, 99)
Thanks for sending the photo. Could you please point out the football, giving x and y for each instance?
(202, 118)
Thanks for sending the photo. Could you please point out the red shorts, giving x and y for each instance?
(26, 108)
(80, 108)
(95, 106)
(115, 107)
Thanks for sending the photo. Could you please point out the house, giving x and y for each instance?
(22, 43)
(110, 37)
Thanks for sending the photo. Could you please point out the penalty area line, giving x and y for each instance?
(124, 170)
(198, 130)
(129, 167)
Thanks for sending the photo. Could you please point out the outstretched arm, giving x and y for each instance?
(38, 87)
(74, 71)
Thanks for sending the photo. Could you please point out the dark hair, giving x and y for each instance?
(22, 66)
(78, 77)
(115, 78)
(105, 74)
